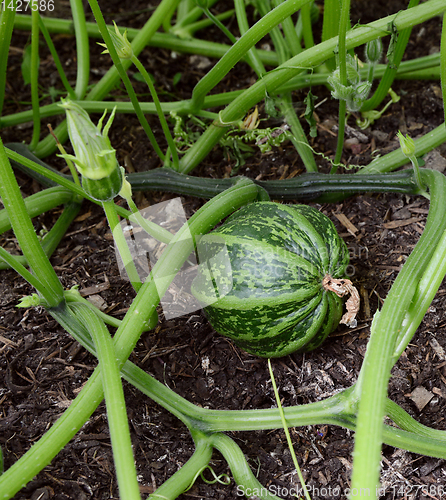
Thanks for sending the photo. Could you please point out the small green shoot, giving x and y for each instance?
(309, 113)
(26, 65)
(369, 117)
(287, 432)
(408, 148)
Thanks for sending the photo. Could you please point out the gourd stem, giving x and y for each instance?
(304, 187)
(308, 186)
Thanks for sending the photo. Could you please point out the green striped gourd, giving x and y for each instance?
(279, 255)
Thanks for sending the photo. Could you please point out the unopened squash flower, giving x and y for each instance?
(373, 51)
(94, 156)
(408, 149)
(407, 144)
(122, 46)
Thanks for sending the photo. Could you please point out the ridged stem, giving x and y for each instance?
(255, 60)
(34, 76)
(183, 479)
(305, 12)
(428, 69)
(39, 203)
(82, 48)
(114, 401)
(162, 118)
(121, 67)
(121, 243)
(330, 26)
(239, 49)
(391, 70)
(134, 322)
(308, 58)
(60, 70)
(423, 297)
(249, 485)
(103, 87)
(24, 231)
(188, 12)
(344, 25)
(6, 26)
(54, 236)
(159, 39)
(395, 159)
(375, 372)
(442, 63)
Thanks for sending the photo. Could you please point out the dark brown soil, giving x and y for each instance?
(42, 368)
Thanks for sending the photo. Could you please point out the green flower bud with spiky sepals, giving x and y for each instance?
(32, 300)
(122, 46)
(94, 156)
(408, 148)
(358, 96)
(373, 51)
(355, 92)
(407, 144)
(340, 91)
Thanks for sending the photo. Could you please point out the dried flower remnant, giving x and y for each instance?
(343, 287)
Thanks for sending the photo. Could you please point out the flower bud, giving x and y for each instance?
(32, 300)
(122, 46)
(126, 189)
(373, 51)
(94, 157)
(252, 121)
(339, 91)
(362, 90)
(355, 92)
(358, 96)
(407, 144)
(103, 189)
